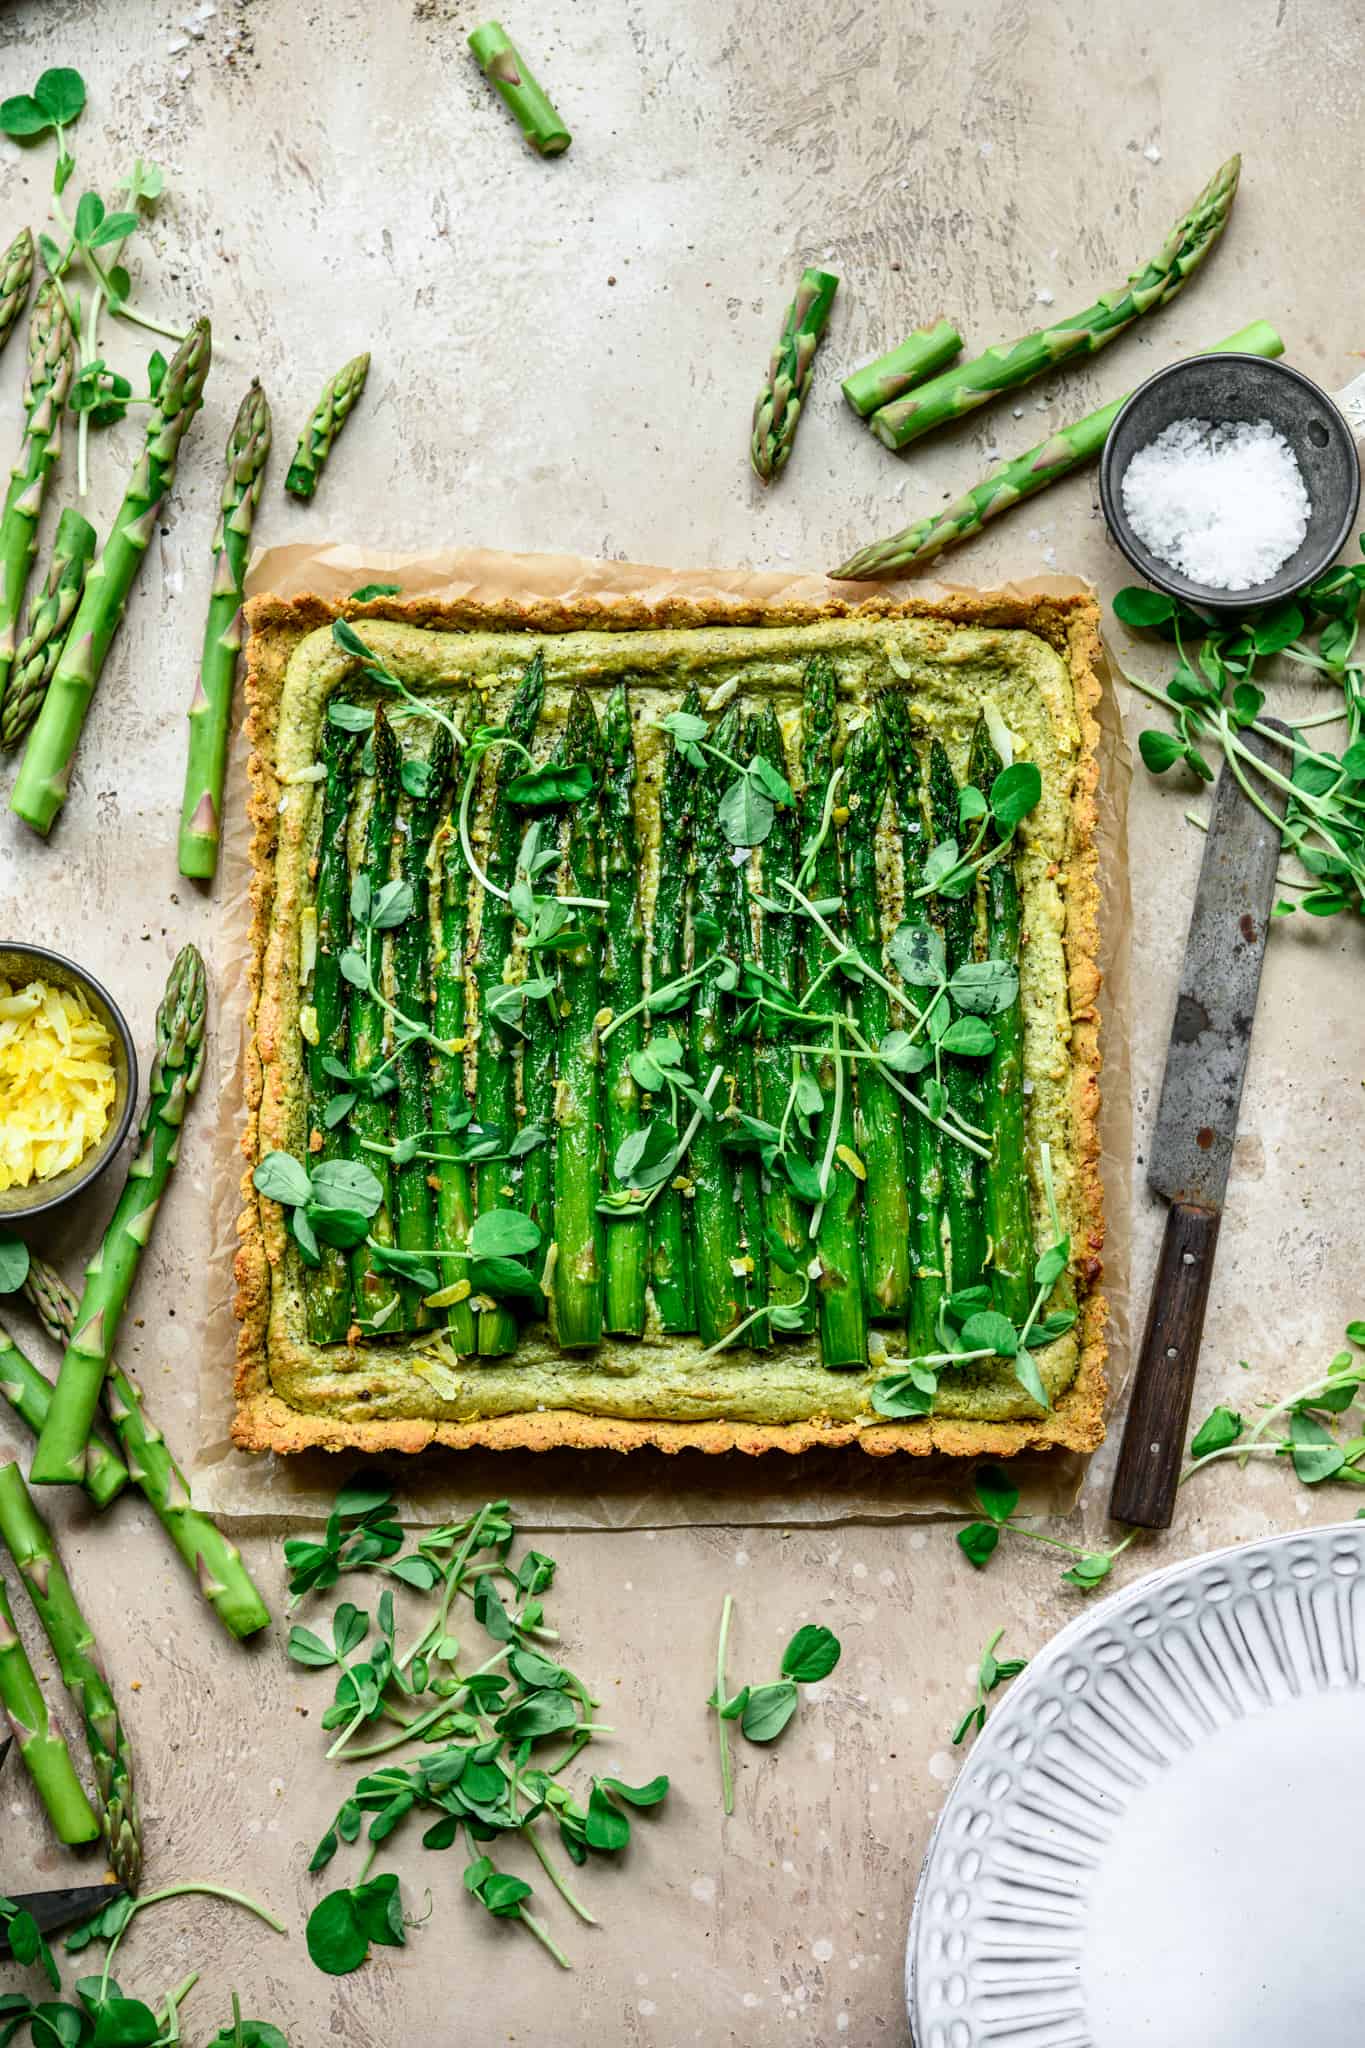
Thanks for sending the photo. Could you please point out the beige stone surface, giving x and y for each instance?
(564, 356)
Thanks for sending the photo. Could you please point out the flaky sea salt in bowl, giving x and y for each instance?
(1230, 481)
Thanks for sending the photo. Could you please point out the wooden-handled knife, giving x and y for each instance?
(1196, 1122)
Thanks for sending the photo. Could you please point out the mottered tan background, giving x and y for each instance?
(564, 358)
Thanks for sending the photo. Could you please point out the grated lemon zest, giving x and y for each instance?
(56, 1081)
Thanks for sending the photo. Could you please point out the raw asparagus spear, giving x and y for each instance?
(670, 1249)
(49, 615)
(495, 1097)
(413, 1219)
(961, 1077)
(16, 275)
(454, 1195)
(51, 354)
(41, 1738)
(927, 350)
(716, 1230)
(1009, 1217)
(45, 773)
(622, 986)
(539, 1064)
(63, 1448)
(505, 69)
(327, 1286)
(217, 1564)
(374, 1293)
(878, 1140)
(29, 1542)
(742, 1083)
(1020, 477)
(210, 714)
(784, 1216)
(924, 1142)
(577, 1286)
(29, 1393)
(330, 414)
(960, 390)
(539, 1061)
(777, 409)
(839, 1290)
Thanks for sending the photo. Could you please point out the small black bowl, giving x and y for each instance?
(1240, 387)
(23, 963)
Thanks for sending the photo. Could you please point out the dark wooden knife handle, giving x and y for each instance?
(1159, 1408)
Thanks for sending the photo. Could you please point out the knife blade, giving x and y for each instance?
(1196, 1124)
(66, 1907)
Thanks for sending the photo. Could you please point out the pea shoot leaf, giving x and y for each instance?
(904, 1395)
(919, 957)
(553, 784)
(768, 1710)
(746, 812)
(969, 1038)
(503, 1234)
(811, 1654)
(977, 1542)
(280, 1178)
(1218, 1432)
(1143, 608)
(1014, 793)
(14, 1259)
(997, 1494)
(984, 987)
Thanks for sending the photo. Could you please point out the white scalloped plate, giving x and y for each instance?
(1157, 1841)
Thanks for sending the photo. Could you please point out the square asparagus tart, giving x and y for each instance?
(673, 1028)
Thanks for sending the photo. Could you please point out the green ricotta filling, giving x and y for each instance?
(949, 673)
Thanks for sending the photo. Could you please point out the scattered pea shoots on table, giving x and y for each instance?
(1293, 1427)
(763, 1711)
(991, 1671)
(1213, 698)
(998, 1497)
(101, 2015)
(475, 1781)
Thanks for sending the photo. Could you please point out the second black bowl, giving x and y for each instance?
(1240, 387)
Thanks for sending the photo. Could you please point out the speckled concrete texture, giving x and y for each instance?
(564, 358)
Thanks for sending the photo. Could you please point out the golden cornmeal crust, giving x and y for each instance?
(266, 1422)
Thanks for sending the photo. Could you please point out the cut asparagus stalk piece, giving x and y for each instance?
(49, 615)
(1009, 1217)
(576, 1299)
(1011, 364)
(966, 1229)
(921, 355)
(45, 772)
(627, 1237)
(29, 1394)
(877, 1125)
(217, 1565)
(210, 713)
(62, 1456)
(1020, 477)
(495, 1094)
(924, 1142)
(777, 409)
(842, 1305)
(41, 1738)
(29, 1541)
(503, 65)
(339, 397)
(370, 1130)
(414, 1217)
(670, 1252)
